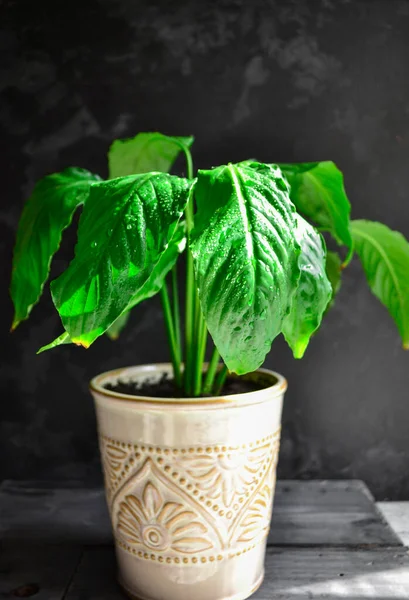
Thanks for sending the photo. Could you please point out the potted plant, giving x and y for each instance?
(189, 449)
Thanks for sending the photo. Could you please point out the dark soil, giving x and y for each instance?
(165, 388)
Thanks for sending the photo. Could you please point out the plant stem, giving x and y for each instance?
(190, 308)
(176, 309)
(201, 341)
(195, 325)
(189, 162)
(220, 379)
(211, 372)
(175, 355)
(173, 326)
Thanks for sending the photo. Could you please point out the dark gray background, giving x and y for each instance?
(280, 81)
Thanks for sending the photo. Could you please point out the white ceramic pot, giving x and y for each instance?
(190, 486)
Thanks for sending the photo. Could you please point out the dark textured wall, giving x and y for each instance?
(277, 80)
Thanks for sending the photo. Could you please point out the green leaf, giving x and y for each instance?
(166, 262)
(152, 286)
(384, 255)
(156, 279)
(46, 214)
(252, 162)
(124, 230)
(64, 338)
(117, 326)
(313, 292)
(246, 260)
(333, 269)
(144, 153)
(317, 190)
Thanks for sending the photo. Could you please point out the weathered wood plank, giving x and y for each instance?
(291, 574)
(95, 578)
(40, 511)
(397, 515)
(297, 574)
(43, 571)
(305, 513)
(327, 513)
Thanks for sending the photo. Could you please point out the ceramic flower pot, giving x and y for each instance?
(189, 485)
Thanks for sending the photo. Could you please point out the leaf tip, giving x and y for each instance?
(85, 345)
(44, 348)
(16, 322)
(405, 345)
(300, 348)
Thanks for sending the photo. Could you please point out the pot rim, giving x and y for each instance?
(262, 395)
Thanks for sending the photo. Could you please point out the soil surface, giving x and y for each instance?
(165, 387)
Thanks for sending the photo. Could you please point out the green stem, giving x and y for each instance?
(190, 308)
(195, 337)
(185, 150)
(190, 286)
(211, 372)
(189, 162)
(195, 326)
(173, 326)
(201, 341)
(176, 309)
(220, 379)
(196, 348)
(174, 353)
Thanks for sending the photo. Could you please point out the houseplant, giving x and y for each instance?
(189, 449)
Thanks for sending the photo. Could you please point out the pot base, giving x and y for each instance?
(240, 596)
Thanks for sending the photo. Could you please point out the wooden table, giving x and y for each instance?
(328, 540)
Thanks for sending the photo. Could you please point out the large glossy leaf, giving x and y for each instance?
(159, 271)
(144, 153)
(46, 214)
(313, 291)
(64, 338)
(333, 269)
(246, 260)
(152, 286)
(384, 255)
(156, 279)
(114, 331)
(124, 230)
(317, 190)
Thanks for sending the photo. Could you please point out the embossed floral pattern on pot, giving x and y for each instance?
(257, 517)
(159, 525)
(225, 475)
(164, 501)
